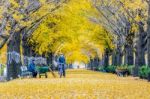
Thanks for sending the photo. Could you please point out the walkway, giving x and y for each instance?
(79, 84)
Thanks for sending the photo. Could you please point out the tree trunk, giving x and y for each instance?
(114, 58)
(129, 56)
(148, 34)
(50, 59)
(119, 56)
(91, 64)
(140, 51)
(26, 49)
(106, 58)
(26, 52)
(13, 67)
(96, 62)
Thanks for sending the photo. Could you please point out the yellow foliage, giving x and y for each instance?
(14, 3)
(3, 55)
(70, 26)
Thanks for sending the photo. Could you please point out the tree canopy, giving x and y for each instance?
(70, 31)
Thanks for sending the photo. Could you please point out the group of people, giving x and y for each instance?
(61, 66)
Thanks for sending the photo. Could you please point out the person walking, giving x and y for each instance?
(61, 65)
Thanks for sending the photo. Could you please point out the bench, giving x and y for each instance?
(25, 72)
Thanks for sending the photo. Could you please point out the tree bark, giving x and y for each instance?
(148, 34)
(13, 68)
(96, 62)
(26, 49)
(26, 52)
(119, 56)
(106, 58)
(114, 58)
(50, 59)
(129, 56)
(91, 64)
(140, 51)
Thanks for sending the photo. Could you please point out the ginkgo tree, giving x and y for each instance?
(71, 27)
(19, 18)
(129, 21)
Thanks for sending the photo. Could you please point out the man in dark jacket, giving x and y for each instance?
(32, 68)
(61, 65)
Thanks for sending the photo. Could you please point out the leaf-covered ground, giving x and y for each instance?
(79, 84)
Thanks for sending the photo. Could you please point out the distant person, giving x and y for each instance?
(61, 65)
(32, 68)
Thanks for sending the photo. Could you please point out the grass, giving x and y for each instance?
(79, 84)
